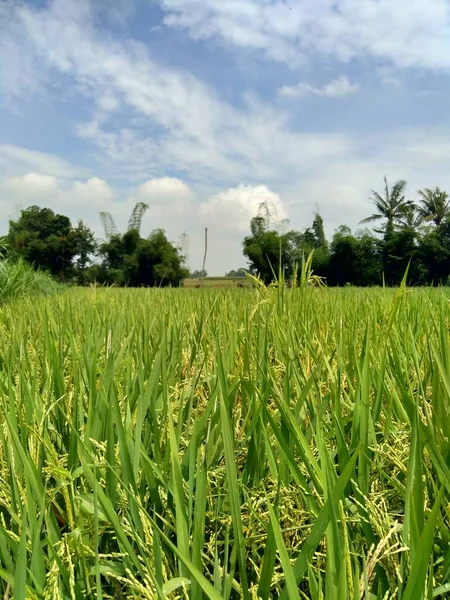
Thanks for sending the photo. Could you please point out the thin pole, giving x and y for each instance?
(206, 250)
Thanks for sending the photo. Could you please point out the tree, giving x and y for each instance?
(236, 273)
(84, 246)
(343, 260)
(44, 239)
(391, 207)
(131, 260)
(354, 260)
(433, 255)
(321, 254)
(398, 250)
(434, 205)
(368, 260)
(266, 250)
(318, 232)
(198, 274)
(412, 219)
(158, 261)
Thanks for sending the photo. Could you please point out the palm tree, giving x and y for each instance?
(391, 207)
(434, 205)
(412, 218)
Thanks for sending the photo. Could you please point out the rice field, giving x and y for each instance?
(225, 443)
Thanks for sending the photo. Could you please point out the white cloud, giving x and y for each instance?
(170, 201)
(76, 199)
(148, 119)
(233, 209)
(340, 189)
(196, 131)
(167, 198)
(18, 160)
(227, 216)
(405, 33)
(337, 88)
(161, 190)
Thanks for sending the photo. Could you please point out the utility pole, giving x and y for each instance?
(206, 250)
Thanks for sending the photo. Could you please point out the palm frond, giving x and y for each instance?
(374, 217)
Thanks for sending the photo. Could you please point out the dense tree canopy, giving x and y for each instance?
(131, 260)
(411, 236)
(49, 242)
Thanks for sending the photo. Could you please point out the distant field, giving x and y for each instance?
(217, 282)
(241, 443)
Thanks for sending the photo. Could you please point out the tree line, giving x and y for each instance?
(414, 234)
(49, 242)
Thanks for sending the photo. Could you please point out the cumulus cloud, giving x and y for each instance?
(337, 88)
(234, 208)
(166, 197)
(77, 199)
(405, 33)
(161, 190)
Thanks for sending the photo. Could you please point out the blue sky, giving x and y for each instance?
(205, 108)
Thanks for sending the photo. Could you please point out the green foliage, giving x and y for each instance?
(43, 239)
(261, 443)
(434, 205)
(19, 280)
(416, 237)
(267, 250)
(47, 241)
(84, 246)
(319, 239)
(391, 207)
(134, 261)
(354, 260)
(236, 273)
(362, 259)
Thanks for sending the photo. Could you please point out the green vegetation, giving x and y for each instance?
(254, 443)
(418, 235)
(48, 242)
(134, 261)
(18, 280)
(410, 234)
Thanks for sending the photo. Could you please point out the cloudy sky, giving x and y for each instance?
(206, 108)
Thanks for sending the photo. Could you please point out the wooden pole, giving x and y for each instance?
(206, 250)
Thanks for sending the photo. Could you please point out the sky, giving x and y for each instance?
(204, 109)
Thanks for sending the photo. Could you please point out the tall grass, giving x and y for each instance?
(18, 280)
(255, 443)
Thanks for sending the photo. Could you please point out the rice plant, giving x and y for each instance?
(214, 444)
